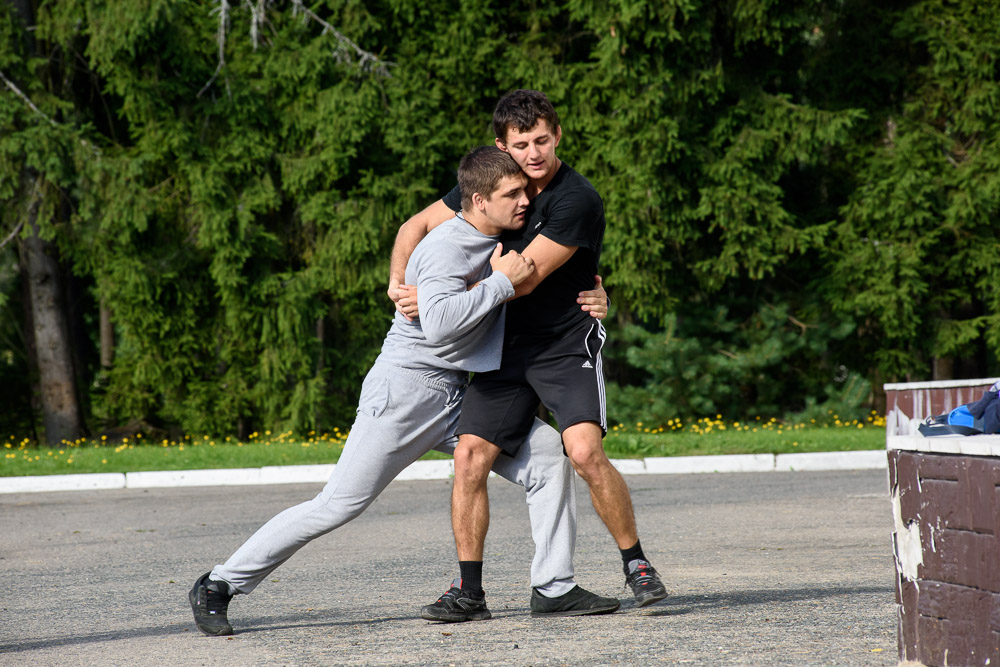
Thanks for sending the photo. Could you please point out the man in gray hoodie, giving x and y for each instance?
(411, 397)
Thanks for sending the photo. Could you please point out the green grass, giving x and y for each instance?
(646, 445)
(704, 437)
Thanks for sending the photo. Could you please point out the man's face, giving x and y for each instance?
(535, 150)
(506, 206)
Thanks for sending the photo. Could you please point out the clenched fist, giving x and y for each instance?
(514, 265)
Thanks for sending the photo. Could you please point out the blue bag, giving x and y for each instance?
(983, 416)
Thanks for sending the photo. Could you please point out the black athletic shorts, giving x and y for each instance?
(565, 375)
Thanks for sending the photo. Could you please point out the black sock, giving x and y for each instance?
(471, 572)
(218, 586)
(632, 553)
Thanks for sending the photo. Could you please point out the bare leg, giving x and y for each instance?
(608, 490)
(470, 505)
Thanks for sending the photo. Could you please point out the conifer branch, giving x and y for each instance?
(367, 61)
(220, 38)
(14, 233)
(258, 17)
(33, 202)
(31, 105)
(17, 91)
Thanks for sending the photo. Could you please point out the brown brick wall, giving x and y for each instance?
(922, 403)
(951, 613)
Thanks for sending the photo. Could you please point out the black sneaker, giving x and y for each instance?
(209, 608)
(577, 602)
(456, 606)
(645, 583)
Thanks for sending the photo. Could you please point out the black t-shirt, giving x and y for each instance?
(568, 211)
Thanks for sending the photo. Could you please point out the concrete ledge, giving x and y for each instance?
(109, 480)
(172, 478)
(682, 465)
(968, 445)
(426, 470)
(863, 460)
(938, 384)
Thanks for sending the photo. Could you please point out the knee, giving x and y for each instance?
(473, 458)
(588, 461)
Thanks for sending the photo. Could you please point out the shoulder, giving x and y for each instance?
(442, 242)
(443, 231)
(572, 188)
(576, 198)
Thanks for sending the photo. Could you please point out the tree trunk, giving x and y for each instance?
(942, 368)
(57, 389)
(321, 337)
(107, 337)
(26, 13)
(28, 333)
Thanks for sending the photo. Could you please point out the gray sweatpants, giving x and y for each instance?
(402, 414)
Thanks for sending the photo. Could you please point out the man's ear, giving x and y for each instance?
(501, 145)
(478, 201)
(558, 134)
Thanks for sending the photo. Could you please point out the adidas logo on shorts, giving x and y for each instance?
(586, 364)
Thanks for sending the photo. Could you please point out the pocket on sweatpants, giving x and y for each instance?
(374, 399)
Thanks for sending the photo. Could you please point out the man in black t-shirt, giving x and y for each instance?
(551, 355)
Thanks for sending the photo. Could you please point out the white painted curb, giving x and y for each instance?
(630, 466)
(172, 478)
(428, 470)
(866, 460)
(108, 480)
(296, 474)
(684, 465)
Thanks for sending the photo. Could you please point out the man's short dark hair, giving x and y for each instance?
(521, 110)
(481, 170)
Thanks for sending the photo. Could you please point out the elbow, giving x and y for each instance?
(417, 225)
(434, 337)
(434, 333)
(526, 287)
(404, 229)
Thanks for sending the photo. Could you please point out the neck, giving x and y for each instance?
(480, 222)
(536, 185)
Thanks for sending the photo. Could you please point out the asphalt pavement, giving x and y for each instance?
(776, 568)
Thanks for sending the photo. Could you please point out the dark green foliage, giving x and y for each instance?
(801, 197)
(915, 251)
(734, 356)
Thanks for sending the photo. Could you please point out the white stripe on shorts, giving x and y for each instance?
(598, 369)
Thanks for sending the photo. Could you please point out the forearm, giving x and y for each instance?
(409, 235)
(528, 285)
(446, 316)
(547, 256)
